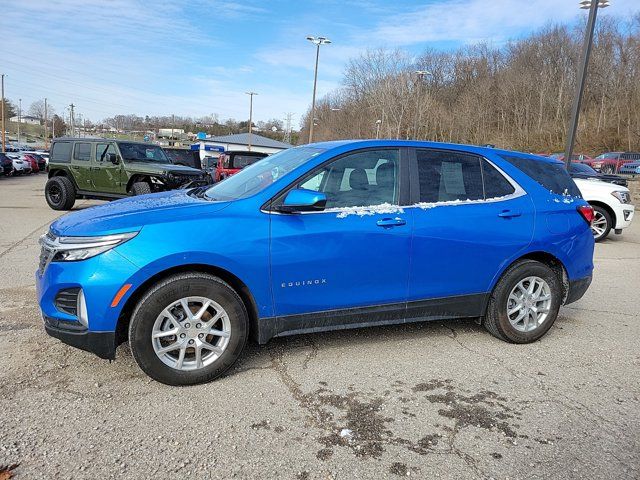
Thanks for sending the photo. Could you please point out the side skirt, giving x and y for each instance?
(463, 306)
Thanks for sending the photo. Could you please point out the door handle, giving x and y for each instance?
(509, 214)
(391, 222)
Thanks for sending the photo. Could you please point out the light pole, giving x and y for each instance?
(19, 119)
(582, 73)
(4, 144)
(378, 123)
(251, 94)
(317, 41)
(421, 74)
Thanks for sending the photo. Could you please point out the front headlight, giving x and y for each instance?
(622, 196)
(71, 249)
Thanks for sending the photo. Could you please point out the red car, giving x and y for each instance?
(230, 163)
(575, 157)
(33, 161)
(611, 162)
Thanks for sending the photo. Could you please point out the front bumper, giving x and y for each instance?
(624, 215)
(577, 289)
(103, 344)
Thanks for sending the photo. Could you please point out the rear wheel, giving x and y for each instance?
(524, 303)
(601, 224)
(188, 329)
(60, 193)
(140, 188)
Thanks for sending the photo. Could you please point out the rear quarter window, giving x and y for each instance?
(552, 176)
(61, 152)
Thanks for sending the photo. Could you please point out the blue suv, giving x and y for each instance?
(325, 236)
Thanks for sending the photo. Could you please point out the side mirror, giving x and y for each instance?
(113, 158)
(301, 200)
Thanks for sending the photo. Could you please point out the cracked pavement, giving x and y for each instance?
(438, 399)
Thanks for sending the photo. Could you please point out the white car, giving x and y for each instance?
(20, 165)
(611, 204)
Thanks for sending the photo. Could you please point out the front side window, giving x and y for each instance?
(82, 152)
(362, 179)
(448, 176)
(103, 150)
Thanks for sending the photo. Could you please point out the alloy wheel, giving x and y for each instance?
(529, 303)
(191, 333)
(599, 224)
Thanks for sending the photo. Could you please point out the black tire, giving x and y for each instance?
(140, 188)
(601, 214)
(496, 320)
(60, 193)
(170, 290)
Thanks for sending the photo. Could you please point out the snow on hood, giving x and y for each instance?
(132, 213)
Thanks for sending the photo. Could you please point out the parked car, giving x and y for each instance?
(581, 170)
(611, 204)
(20, 165)
(611, 162)
(6, 165)
(230, 163)
(575, 157)
(631, 168)
(42, 162)
(325, 236)
(110, 169)
(32, 161)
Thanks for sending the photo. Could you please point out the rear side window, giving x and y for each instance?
(448, 176)
(552, 176)
(82, 152)
(495, 185)
(61, 152)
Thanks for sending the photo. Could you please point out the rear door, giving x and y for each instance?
(81, 165)
(469, 220)
(353, 254)
(106, 175)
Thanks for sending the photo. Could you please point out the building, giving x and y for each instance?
(28, 119)
(240, 141)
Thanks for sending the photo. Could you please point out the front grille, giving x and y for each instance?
(67, 301)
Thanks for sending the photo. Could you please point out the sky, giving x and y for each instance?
(196, 58)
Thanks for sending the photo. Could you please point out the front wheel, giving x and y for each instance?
(140, 188)
(524, 303)
(601, 224)
(188, 329)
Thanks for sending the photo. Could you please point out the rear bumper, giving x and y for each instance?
(577, 289)
(103, 344)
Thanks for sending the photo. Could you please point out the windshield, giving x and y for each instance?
(260, 175)
(142, 153)
(582, 168)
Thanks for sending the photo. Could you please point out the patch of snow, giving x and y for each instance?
(384, 208)
(426, 205)
(346, 433)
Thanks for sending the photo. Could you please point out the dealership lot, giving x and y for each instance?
(424, 400)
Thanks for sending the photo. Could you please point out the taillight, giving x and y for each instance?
(587, 213)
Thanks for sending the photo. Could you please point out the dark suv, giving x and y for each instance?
(109, 169)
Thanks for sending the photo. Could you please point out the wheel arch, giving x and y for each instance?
(598, 203)
(138, 177)
(124, 318)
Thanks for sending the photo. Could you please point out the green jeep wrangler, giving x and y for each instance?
(108, 169)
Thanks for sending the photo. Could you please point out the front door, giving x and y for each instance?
(469, 221)
(355, 253)
(105, 174)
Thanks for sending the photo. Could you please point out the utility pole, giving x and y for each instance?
(593, 6)
(416, 125)
(173, 122)
(287, 128)
(46, 127)
(251, 94)
(19, 118)
(4, 143)
(317, 41)
(72, 119)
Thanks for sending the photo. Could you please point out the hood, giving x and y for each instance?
(594, 185)
(132, 213)
(154, 167)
